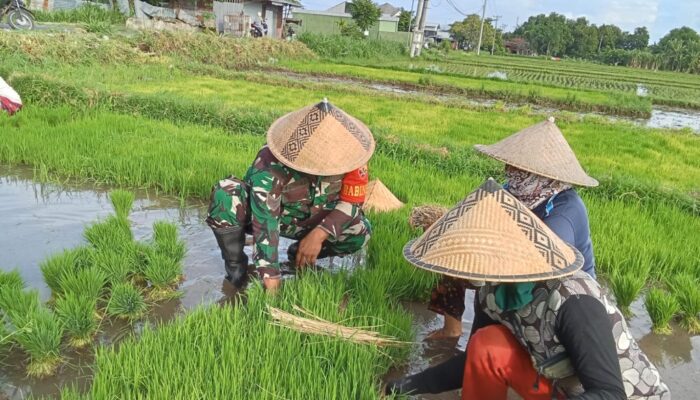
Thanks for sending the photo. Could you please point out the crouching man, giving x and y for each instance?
(542, 326)
(10, 101)
(307, 184)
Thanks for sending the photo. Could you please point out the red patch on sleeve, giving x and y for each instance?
(355, 186)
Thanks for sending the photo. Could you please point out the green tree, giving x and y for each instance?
(584, 38)
(405, 20)
(466, 32)
(680, 50)
(547, 34)
(609, 37)
(639, 40)
(365, 13)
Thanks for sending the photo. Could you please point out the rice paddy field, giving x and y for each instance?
(170, 114)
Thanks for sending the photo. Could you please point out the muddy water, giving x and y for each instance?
(38, 220)
(661, 117)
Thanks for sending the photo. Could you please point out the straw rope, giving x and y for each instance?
(425, 215)
(318, 326)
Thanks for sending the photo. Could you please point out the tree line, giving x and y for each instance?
(556, 35)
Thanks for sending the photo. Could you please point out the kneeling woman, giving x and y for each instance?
(542, 327)
(541, 172)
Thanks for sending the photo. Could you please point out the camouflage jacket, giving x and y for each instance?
(291, 203)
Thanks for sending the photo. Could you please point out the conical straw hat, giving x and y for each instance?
(379, 198)
(542, 150)
(491, 236)
(320, 140)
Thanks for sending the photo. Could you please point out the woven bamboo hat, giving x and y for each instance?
(379, 198)
(491, 236)
(320, 140)
(542, 150)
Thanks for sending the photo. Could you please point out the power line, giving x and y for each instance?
(456, 9)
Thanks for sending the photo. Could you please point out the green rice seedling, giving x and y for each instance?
(167, 241)
(127, 302)
(77, 313)
(116, 266)
(39, 334)
(56, 267)
(11, 279)
(122, 201)
(88, 282)
(112, 233)
(17, 302)
(662, 307)
(687, 291)
(163, 274)
(626, 286)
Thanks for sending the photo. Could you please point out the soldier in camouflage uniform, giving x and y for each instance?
(320, 207)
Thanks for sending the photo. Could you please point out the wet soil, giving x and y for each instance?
(40, 219)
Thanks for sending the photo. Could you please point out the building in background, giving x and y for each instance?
(326, 21)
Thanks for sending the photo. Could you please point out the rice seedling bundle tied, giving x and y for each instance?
(686, 289)
(662, 307)
(77, 313)
(126, 302)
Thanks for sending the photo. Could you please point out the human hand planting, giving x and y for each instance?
(310, 247)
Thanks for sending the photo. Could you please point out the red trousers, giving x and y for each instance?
(496, 361)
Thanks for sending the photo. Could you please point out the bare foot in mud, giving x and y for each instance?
(443, 334)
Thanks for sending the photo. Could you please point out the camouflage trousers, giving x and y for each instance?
(230, 206)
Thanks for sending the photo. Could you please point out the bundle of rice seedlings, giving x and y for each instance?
(112, 233)
(116, 266)
(57, 266)
(662, 308)
(626, 287)
(686, 290)
(426, 215)
(163, 274)
(11, 280)
(167, 241)
(39, 334)
(122, 201)
(87, 282)
(126, 302)
(141, 253)
(77, 313)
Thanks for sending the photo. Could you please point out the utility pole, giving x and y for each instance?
(410, 24)
(495, 18)
(481, 31)
(415, 37)
(418, 31)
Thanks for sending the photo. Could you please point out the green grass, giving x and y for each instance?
(86, 14)
(578, 100)
(126, 302)
(122, 201)
(243, 336)
(77, 313)
(662, 307)
(337, 46)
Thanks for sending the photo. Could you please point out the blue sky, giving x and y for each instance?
(659, 16)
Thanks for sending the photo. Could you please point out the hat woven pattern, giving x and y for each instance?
(320, 140)
(302, 133)
(491, 235)
(542, 150)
